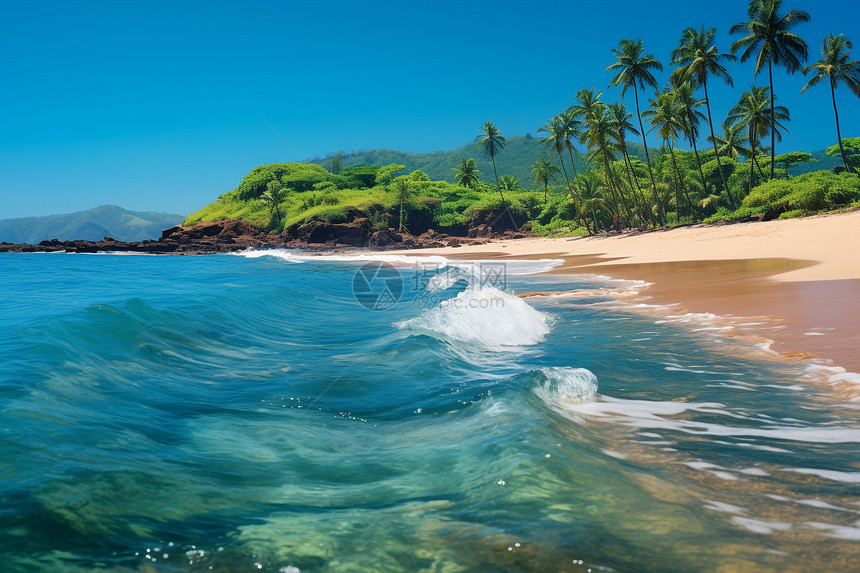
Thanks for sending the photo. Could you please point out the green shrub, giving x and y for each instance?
(809, 192)
(792, 214)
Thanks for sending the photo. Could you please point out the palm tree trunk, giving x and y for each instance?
(545, 190)
(575, 174)
(564, 169)
(579, 217)
(681, 180)
(621, 197)
(614, 191)
(660, 207)
(714, 141)
(838, 134)
(400, 222)
(631, 176)
(758, 166)
(499, 187)
(772, 117)
(699, 163)
(752, 163)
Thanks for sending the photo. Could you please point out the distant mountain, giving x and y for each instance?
(92, 225)
(517, 158)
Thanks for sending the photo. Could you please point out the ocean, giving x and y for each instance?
(270, 411)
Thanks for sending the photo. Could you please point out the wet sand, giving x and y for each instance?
(800, 278)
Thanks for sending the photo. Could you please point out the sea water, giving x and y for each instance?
(278, 412)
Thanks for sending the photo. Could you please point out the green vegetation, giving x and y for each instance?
(607, 182)
(315, 194)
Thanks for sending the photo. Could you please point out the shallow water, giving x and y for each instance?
(250, 413)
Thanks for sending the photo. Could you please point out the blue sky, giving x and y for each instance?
(162, 106)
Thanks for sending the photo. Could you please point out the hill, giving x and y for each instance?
(91, 225)
(516, 159)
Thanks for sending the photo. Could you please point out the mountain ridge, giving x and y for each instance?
(90, 224)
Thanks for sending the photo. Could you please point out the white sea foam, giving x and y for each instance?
(511, 267)
(646, 414)
(836, 531)
(833, 475)
(297, 256)
(485, 317)
(759, 526)
(565, 385)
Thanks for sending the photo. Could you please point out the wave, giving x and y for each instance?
(487, 318)
(565, 385)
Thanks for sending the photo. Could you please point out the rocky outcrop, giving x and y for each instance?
(234, 235)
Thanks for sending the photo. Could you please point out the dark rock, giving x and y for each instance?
(170, 231)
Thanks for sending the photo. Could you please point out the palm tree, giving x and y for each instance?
(620, 119)
(732, 142)
(666, 119)
(601, 139)
(573, 129)
(690, 116)
(492, 142)
(558, 138)
(755, 109)
(698, 58)
(769, 38)
(834, 65)
(510, 183)
(466, 174)
(586, 103)
(634, 67)
(543, 170)
(274, 195)
(592, 198)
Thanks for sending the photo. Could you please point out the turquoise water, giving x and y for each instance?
(232, 413)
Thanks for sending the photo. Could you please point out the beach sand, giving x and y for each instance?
(799, 277)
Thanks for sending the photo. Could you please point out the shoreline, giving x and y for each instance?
(801, 277)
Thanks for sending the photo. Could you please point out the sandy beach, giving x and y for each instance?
(802, 276)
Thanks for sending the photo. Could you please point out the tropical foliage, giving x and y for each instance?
(585, 175)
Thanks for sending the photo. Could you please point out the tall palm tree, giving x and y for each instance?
(834, 65)
(573, 129)
(586, 103)
(592, 198)
(699, 58)
(769, 38)
(620, 119)
(665, 117)
(690, 117)
(543, 170)
(558, 139)
(466, 174)
(634, 68)
(732, 141)
(491, 141)
(602, 139)
(755, 109)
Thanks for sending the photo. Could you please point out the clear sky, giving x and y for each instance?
(161, 106)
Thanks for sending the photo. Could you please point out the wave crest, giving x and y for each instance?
(564, 384)
(487, 318)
